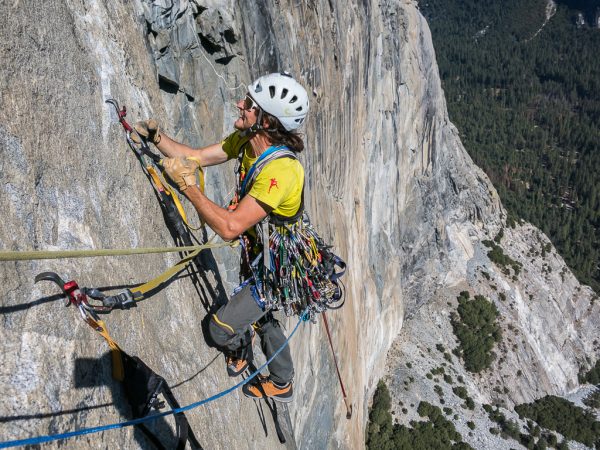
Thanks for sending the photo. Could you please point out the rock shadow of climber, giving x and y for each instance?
(10, 309)
(210, 294)
(136, 396)
(280, 414)
(203, 264)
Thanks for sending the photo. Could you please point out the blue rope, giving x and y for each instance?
(55, 437)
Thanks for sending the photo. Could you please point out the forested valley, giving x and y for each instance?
(522, 82)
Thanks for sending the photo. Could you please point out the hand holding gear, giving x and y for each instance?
(183, 171)
(146, 129)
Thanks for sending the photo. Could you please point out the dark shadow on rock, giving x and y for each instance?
(90, 372)
(209, 44)
(205, 323)
(261, 416)
(224, 60)
(9, 309)
(166, 85)
(197, 373)
(42, 415)
(204, 264)
(283, 433)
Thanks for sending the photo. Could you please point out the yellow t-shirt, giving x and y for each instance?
(280, 182)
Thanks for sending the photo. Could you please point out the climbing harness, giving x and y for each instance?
(295, 269)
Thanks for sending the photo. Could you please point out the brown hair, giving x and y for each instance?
(280, 136)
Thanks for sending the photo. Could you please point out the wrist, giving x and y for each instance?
(191, 190)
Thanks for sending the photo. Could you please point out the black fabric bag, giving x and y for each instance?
(142, 388)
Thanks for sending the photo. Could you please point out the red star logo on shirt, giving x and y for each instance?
(273, 184)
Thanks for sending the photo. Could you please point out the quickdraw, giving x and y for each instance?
(298, 269)
(303, 271)
(152, 165)
(77, 297)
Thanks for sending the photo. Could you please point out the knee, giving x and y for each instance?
(218, 334)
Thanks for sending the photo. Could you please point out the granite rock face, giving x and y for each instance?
(388, 183)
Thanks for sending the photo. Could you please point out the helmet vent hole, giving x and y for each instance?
(299, 108)
(272, 91)
(284, 92)
(294, 98)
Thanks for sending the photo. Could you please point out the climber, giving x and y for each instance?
(265, 132)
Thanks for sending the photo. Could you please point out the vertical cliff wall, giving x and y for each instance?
(389, 184)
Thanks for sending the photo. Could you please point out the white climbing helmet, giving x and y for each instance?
(281, 96)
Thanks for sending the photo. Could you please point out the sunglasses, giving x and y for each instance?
(249, 103)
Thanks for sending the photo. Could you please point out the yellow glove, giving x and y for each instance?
(146, 129)
(183, 171)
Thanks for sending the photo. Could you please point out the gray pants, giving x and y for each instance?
(231, 329)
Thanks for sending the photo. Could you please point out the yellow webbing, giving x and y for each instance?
(200, 172)
(155, 178)
(118, 372)
(222, 324)
(168, 189)
(138, 292)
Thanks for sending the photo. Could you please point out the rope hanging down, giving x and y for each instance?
(84, 431)
(337, 369)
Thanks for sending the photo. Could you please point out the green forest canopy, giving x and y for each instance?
(527, 105)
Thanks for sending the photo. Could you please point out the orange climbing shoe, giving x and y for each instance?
(235, 366)
(266, 387)
(238, 363)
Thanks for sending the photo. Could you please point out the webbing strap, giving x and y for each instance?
(168, 189)
(118, 372)
(138, 292)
